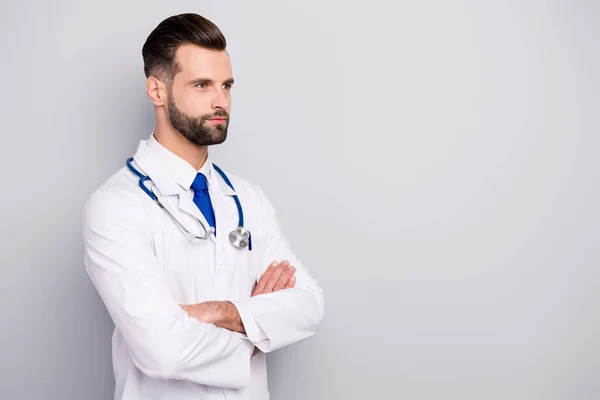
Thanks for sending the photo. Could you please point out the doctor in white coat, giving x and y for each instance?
(193, 317)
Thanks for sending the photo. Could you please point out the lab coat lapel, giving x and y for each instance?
(226, 216)
(225, 223)
(166, 185)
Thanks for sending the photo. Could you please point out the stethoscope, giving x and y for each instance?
(239, 237)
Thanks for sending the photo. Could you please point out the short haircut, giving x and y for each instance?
(161, 46)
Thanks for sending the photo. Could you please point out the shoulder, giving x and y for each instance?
(117, 195)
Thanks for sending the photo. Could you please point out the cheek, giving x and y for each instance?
(196, 103)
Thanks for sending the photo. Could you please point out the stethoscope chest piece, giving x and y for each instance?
(239, 237)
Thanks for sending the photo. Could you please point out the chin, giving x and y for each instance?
(213, 140)
(218, 136)
(220, 139)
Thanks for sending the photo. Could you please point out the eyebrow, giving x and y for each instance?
(196, 81)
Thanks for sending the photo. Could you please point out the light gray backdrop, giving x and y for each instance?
(434, 163)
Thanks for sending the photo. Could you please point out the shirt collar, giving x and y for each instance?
(179, 169)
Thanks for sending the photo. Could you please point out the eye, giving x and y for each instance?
(201, 85)
(227, 86)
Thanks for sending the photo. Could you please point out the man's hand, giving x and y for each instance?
(277, 277)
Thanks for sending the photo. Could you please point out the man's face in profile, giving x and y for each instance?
(199, 95)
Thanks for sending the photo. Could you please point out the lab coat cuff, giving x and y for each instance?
(253, 330)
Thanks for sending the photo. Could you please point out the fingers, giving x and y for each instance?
(260, 285)
(278, 276)
(291, 283)
(275, 276)
(284, 279)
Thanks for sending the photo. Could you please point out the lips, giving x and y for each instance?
(217, 120)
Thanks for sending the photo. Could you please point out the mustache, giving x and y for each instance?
(219, 113)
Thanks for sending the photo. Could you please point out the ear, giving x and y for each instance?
(157, 91)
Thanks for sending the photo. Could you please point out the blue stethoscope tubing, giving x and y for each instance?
(239, 237)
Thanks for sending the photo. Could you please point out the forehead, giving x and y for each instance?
(195, 62)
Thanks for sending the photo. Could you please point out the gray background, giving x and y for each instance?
(434, 163)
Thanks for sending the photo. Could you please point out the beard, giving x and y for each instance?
(196, 129)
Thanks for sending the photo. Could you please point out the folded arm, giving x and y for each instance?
(224, 314)
(220, 313)
(164, 342)
(280, 318)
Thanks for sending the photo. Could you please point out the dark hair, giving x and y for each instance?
(162, 43)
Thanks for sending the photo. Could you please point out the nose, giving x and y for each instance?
(221, 99)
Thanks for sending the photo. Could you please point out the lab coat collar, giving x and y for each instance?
(179, 169)
(218, 182)
(171, 174)
(150, 165)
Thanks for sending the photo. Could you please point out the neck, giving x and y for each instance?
(178, 144)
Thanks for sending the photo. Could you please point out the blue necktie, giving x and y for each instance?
(202, 199)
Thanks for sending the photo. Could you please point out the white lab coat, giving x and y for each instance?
(143, 267)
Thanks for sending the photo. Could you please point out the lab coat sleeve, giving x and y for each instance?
(281, 318)
(164, 342)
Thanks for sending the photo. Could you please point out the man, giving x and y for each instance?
(194, 313)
